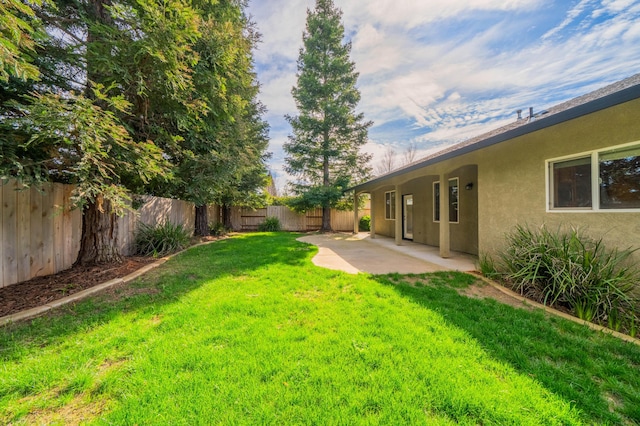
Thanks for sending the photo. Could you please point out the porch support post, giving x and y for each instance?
(372, 232)
(445, 242)
(398, 221)
(356, 222)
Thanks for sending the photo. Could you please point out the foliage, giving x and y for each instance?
(261, 335)
(20, 32)
(160, 240)
(487, 266)
(323, 151)
(78, 141)
(365, 223)
(567, 268)
(180, 84)
(217, 229)
(270, 224)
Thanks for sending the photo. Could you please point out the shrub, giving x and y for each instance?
(270, 224)
(487, 266)
(160, 240)
(217, 229)
(566, 268)
(365, 223)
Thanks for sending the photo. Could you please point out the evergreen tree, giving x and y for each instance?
(323, 151)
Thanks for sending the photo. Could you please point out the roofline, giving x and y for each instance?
(613, 99)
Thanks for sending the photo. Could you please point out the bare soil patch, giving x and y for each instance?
(39, 291)
(482, 290)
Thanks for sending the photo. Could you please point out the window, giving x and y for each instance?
(390, 205)
(573, 184)
(620, 178)
(436, 201)
(453, 201)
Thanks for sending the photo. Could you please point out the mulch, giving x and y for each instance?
(39, 291)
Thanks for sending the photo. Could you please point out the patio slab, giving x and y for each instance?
(355, 253)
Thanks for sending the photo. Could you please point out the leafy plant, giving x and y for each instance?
(160, 240)
(217, 229)
(487, 266)
(365, 223)
(270, 224)
(566, 268)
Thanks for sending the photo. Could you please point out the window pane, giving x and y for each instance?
(572, 183)
(436, 201)
(387, 205)
(453, 200)
(620, 179)
(393, 206)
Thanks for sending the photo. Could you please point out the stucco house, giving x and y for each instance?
(577, 164)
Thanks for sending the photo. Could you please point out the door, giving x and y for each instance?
(407, 217)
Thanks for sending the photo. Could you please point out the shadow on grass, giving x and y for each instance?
(599, 374)
(164, 285)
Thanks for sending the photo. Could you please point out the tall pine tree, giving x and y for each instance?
(323, 153)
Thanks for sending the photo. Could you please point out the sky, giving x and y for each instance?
(433, 73)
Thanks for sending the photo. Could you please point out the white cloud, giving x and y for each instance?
(464, 78)
(410, 13)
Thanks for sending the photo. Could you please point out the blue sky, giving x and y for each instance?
(434, 72)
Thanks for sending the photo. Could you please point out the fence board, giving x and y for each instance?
(67, 222)
(35, 224)
(23, 248)
(10, 234)
(47, 213)
(58, 222)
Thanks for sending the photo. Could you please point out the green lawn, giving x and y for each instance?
(248, 331)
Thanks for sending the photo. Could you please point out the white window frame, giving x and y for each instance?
(392, 206)
(595, 182)
(458, 209)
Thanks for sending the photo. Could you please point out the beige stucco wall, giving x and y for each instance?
(464, 234)
(383, 226)
(510, 186)
(512, 179)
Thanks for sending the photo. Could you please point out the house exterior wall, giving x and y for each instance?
(383, 226)
(464, 234)
(512, 179)
(510, 186)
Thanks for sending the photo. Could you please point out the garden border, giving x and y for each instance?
(39, 310)
(556, 312)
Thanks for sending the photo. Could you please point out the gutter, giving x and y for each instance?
(607, 101)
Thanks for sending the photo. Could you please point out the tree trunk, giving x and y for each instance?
(326, 219)
(326, 208)
(226, 217)
(99, 240)
(202, 221)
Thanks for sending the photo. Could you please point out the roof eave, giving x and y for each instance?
(613, 99)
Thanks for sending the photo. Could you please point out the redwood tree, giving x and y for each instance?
(323, 153)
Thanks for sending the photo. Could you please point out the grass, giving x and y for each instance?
(247, 331)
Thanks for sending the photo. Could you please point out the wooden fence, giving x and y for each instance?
(243, 219)
(40, 232)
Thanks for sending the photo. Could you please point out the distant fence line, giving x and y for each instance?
(40, 232)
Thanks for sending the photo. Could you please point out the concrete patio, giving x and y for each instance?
(355, 253)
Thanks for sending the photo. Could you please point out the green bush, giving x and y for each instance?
(568, 269)
(217, 229)
(160, 240)
(365, 223)
(270, 224)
